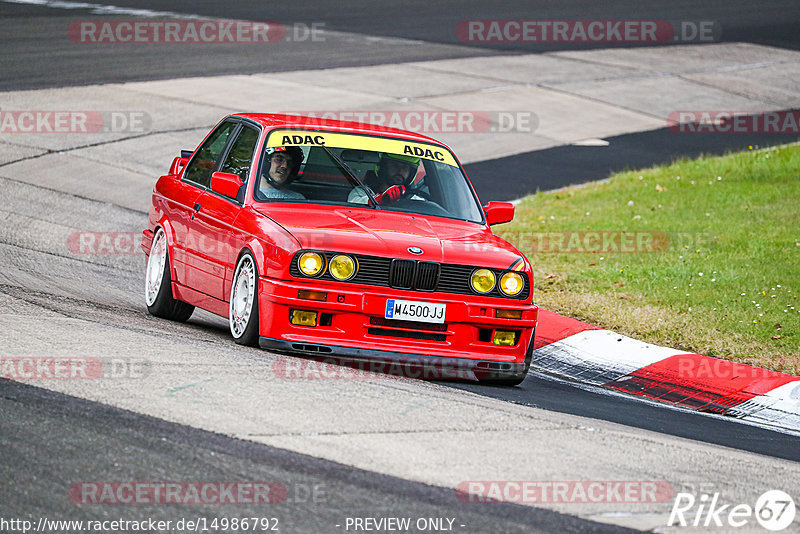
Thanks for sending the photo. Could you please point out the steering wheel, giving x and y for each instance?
(417, 190)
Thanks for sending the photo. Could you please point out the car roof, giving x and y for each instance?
(273, 121)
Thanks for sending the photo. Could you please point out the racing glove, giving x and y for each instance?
(392, 194)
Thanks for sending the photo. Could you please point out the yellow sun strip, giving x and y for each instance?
(362, 142)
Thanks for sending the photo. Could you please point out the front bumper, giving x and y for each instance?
(407, 365)
(351, 324)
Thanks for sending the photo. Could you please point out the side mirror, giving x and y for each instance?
(498, 212)
(226, 184)
(177, 165)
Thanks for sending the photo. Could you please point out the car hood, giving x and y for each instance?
(390, 234)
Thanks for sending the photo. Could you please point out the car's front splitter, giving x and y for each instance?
(398, 363)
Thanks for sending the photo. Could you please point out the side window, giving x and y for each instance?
(200, 168)
(241, 153)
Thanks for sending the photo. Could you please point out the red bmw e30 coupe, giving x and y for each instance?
(340, 239)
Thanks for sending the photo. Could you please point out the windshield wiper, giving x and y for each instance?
(352, 176)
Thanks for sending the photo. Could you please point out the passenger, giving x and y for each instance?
(284, 164)
(390, 180)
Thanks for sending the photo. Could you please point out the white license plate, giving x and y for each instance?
(412, 310)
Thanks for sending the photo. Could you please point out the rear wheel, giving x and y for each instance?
(158, 284)
(243, 308)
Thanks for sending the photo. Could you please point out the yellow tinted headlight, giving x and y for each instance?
(342, 267)
(482, 280)
(311, 263)
(511, 284)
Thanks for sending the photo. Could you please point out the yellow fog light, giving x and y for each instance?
(482, 280)
(311, 263)
(502, 337)
(342, 267)
(511, 283)
(303, 317)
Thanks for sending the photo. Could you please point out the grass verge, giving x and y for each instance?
(701, 255)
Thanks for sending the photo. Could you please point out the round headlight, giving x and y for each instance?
(342, 267)
(482, 280)
(311, 263)
(511, 284)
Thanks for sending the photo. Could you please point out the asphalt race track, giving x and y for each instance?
(368, 33)
(554, 168)
(37, 54)
(186, 404)
(103, 440)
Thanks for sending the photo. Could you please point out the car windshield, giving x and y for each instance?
(355, 170)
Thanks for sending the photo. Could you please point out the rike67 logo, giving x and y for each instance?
(774, 510)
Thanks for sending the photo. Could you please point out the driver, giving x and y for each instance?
(391, 178)
(284, 164)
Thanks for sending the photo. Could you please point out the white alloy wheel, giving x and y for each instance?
(243, 296)
(155, 268)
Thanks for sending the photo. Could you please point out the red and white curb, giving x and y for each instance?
(586, 353)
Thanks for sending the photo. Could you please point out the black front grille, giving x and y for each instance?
(372, 271)
(413, 275)
(455, 278)
(427, 276)
(401, 275)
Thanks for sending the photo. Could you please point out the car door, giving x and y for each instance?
(214, 221)
(176, 205)
(199, 272)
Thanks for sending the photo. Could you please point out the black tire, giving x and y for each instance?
(508, 378)
(158, 290)
(243, 305)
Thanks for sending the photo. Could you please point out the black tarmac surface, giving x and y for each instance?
(50, 441)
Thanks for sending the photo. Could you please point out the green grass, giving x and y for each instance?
(735, 219)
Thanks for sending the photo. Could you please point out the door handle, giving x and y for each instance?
(196, 209)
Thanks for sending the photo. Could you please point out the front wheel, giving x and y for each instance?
(158, 284)
(243, 308)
